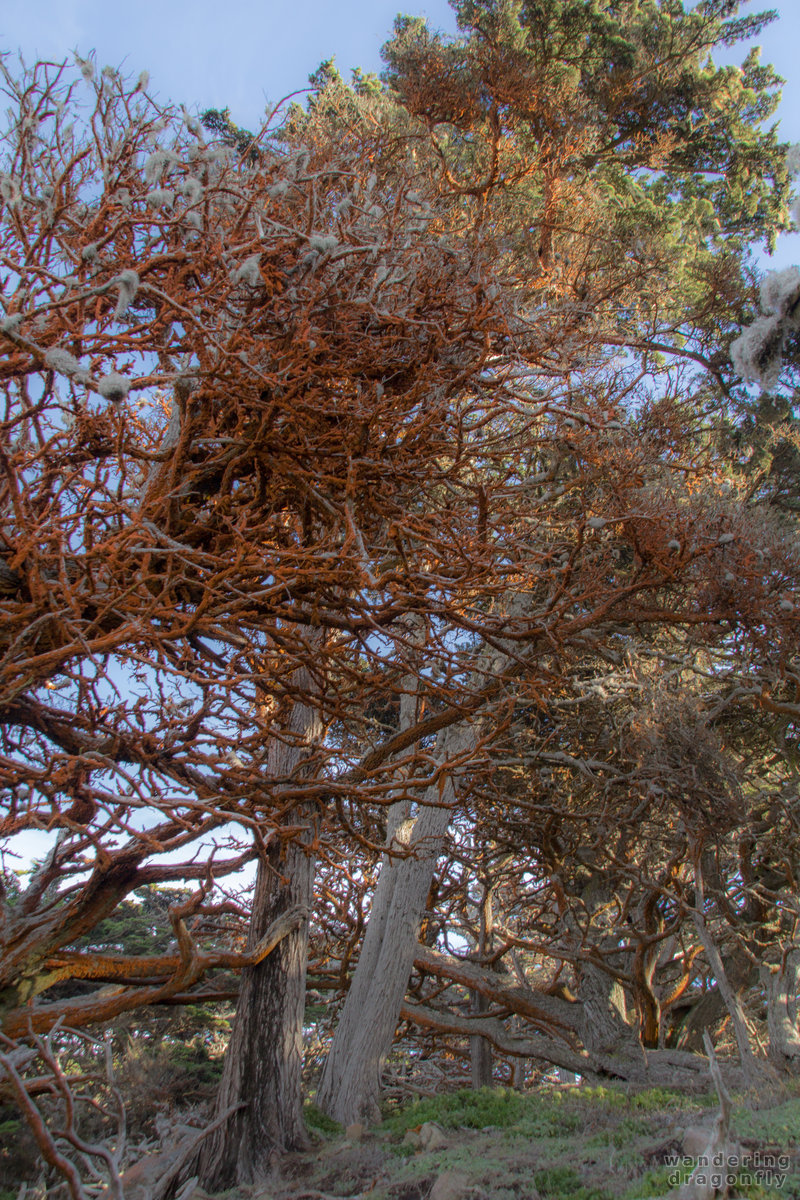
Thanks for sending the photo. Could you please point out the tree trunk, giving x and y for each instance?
(781, 985)
(750, 1067)
(264, 1060)
(480, 1049)
(554, 1028)
(349, 1089)
(611, 1042)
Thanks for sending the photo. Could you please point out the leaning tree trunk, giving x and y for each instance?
(262, 1075)
(349, 1090)
(733, 1003)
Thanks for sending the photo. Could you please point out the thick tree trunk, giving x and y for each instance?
(263, 1065)
(552, 1029)
(349, 1089)
(611, 1042)
(781, 984)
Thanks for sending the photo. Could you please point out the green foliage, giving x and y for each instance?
(669, 152)
(19, 1154)
(319, 1121)
(193, 1061)
(162, 1072)
(648, 1100)
(780, 1125)
(218, 121)
(628, 1129)
(401, 1149)
(757, 1191)
(545, 1114)
(656, 1098)
(611, 1097)
(566, 1182)
(654, 1182)
(139, 925)
(497, 1107)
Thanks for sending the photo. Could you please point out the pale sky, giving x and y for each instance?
(242, 53)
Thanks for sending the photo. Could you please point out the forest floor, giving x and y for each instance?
(567, 1143)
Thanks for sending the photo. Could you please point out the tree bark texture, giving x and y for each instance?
(349, 1090)
(781, 984)
(733, 1003)
(555, 1028)
(611, 1042)
(262, 1076)
(480, 1048)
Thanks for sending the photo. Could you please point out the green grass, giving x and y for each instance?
(780, 1124)
(654, 1182)
(588, 1143)
(545, 1114)
(657, 1098)
(319, 1121)
(564, 1183)
(497, 1107)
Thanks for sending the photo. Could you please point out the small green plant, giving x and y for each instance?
(401, 1149)
(780, 1124)
(652, 1099)
(655, 1182)
(497, 1107)
(546, 1117)
(564, 1183)
(612, 1097)
(319, 1121)
(757, 1191)
(629, 1129)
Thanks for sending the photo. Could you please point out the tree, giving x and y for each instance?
(522, 151)
(399, 430)
(176, 563)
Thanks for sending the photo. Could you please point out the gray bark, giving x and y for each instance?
(555, 1027)
(480, 1048)
(262, 1076)
(349, 1090)
(781, 985)
(750, 1067)
(612, 1043)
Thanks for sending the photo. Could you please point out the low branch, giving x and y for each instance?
(538, 1046)
(549, 1012)
(111, 1002)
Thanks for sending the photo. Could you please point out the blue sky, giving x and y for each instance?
(215, 53)
(241, 53)
(237, 52)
